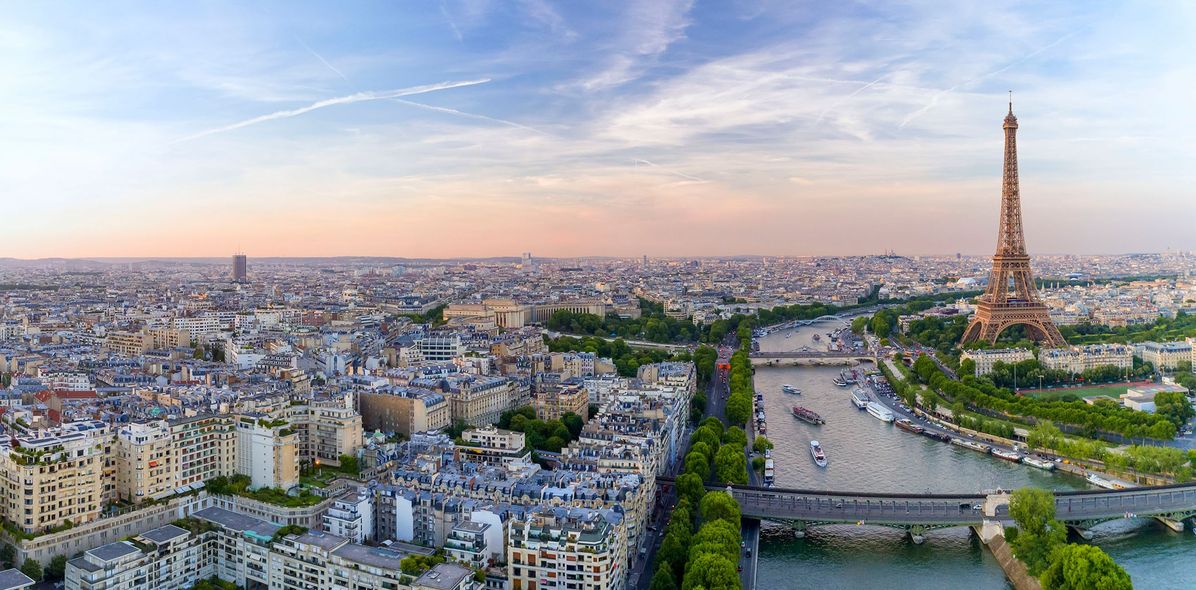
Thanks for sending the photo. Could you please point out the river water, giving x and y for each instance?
(867, 455)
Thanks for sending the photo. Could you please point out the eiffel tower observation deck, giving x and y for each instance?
(1011, 298)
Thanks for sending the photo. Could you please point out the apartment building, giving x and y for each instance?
(555, 402)
(478, 401)
(53, 476)
(1165, 355)
(567, 549)
(985, 359)
(145, 461)
(469, 542)
(327, 430)
(1077, 359)
(441, 348)
(166, 558)
(352, 516)
(404, 410)
(203, 447)
(493, 446)
(127, 343)
(267, 451)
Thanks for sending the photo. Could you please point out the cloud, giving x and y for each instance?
(340, 100)
(458, 113)
(649, 28)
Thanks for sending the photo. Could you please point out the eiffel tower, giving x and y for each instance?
(1011, 298)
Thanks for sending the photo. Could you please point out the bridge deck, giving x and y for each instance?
(942, 509)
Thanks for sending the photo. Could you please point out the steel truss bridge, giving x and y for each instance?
(918, 513)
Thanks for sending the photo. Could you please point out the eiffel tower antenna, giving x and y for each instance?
(1011, 297)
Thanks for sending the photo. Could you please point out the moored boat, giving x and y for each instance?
(880, 412)
(1107, 482)
(1007, 455)
(817, 453)
(787, 388)
(907, 425)
(971, 444)
(769, 472)
(1039, 463)
(807, 416)
(839, 381)
(860, 398)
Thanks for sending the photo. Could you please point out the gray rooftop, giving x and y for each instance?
(326, 541)
(371, 556)
(444, 576)
(235, 521)
(165, 534)
(12, 578)
(113, 550)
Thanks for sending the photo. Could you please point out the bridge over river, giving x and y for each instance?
(918, 513)
(810, 356)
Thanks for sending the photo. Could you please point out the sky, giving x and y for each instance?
(667, 128)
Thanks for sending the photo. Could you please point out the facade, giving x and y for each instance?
(352, 517)
(268, 452)
(1077, 359)
(553, 404)
(986, 358)
(327, 430)
(127, 343)
(479, 401)
(567, 548)
(404, 411)
(492, 445)
(1165, 355)
(167, 557)
(54, 476)
(441, 348)
(468, 543)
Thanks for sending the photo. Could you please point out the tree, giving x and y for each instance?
(32, 568)
(674, 550)
(1039, 533)
(1175, 406)
(7, 555)
(696, 464)
(1083, 567)
(663, 578)
(967, 367)
(718, 537)
(712, 572)
(690, 486)
(735, 436)
(719, 506)
(574, 423)
(761, 444)
(730, 465)
(57, 568)
(349, 465)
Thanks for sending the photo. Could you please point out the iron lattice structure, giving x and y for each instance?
(1011, 297)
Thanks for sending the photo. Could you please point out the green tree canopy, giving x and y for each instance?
(691, 486)
(1084, 567)
(32, 568)
(712, 572)
(719, 506)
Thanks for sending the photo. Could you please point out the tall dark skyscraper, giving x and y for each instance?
(240, 268)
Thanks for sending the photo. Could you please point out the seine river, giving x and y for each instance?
(868, 455)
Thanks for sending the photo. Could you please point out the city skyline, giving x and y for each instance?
(669, 129)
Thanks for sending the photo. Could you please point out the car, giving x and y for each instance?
(976, 507)
(652, 528)
(742, 544)
(739, 568)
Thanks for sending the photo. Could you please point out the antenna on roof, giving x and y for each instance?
(1010, 102)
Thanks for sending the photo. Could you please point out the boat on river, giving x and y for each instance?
(1039, 463)
(971, 444)
(787, 388)
(769, 472)
(936, 435)
(839, 381)
(1013, 456)
(880, 412)
(908, 425)
(817, 453)
(817, 338)
(1108, 483)
(860, 398)
(809, 416)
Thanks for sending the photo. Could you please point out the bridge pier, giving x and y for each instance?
(1082, 532)
(917, 534)
(1175, 525)
(799, 529)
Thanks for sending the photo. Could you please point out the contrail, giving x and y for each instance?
(469, 115)
(340, 100)
(321, 58)
(449, 18)
(673, 172)
(848, 97)
(935, 99)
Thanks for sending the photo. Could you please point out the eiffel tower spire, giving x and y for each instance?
(1011, 297)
